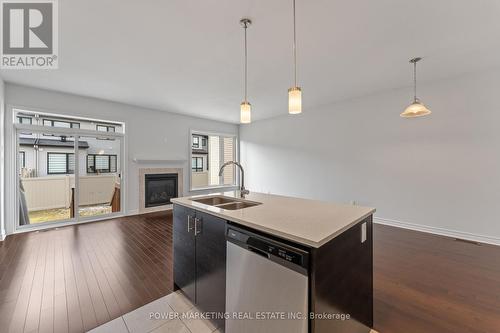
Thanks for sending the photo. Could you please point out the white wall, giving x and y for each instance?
(149, 133)
(437, 172)
(2, 160)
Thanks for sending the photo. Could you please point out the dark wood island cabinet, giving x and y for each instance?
(340, 270)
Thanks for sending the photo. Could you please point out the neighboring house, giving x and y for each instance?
(208, 153)
(47, 168)
(199, 155)
(45, 155)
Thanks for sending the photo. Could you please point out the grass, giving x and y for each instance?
(58, 214)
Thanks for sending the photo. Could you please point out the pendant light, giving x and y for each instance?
(294, 93)
(417, 108)
(245, 107)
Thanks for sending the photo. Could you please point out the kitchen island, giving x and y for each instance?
(313, 258)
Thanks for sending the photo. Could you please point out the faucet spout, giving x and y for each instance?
(243, 190)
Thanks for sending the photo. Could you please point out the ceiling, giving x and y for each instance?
(186, 56)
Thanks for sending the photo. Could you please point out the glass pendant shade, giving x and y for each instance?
(245, 113)
(416, 109)
(294, 100)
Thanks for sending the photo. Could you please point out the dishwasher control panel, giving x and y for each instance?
(262, 245)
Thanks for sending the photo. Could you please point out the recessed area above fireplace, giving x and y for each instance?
(159, 189)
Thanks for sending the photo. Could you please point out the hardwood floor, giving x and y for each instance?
(75, 278)
(430, 284)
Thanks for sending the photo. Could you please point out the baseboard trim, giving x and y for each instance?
(2, 237)
(439, 231)
(138, 212)
(133, 212)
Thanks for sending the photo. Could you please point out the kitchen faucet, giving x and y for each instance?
(243, 191)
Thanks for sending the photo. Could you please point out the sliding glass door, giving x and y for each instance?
(99, 190)
(46, 170)
(68, 169)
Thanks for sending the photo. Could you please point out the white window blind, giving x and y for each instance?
(102, 162)
(228, 153)
(60, 163)
(214, 159)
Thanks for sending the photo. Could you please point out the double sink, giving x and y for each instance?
(225, 202)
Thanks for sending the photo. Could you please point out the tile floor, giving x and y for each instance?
(157, 317)
(154, 318)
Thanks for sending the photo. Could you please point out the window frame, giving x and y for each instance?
(236, 175)
(67, 163)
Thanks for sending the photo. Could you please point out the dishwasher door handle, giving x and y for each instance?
(259, 252)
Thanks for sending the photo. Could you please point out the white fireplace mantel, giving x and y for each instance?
(143, 159)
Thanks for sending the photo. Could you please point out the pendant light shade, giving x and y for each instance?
(417, 108)
(294, 93)
(245, 107)
(294, 100)
(245, 113)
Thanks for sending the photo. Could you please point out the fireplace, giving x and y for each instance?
(159, 189)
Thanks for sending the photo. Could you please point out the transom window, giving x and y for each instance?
(59, 123)
(24, 120)
(105, 128)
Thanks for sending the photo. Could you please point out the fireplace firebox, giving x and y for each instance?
(160, 188)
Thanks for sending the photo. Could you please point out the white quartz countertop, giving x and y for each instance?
(308, 222)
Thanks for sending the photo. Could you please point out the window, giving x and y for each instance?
(24, 120)
(199, 142)
(22, 159)
(212, 152)
(101, 163)
(196, 142)
(61, 124)
(197, 164)
(58, 123)
(105, 128)
(60, 163)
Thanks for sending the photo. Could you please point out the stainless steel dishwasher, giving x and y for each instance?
(266, 284)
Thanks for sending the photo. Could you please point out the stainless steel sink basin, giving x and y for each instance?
(215, 201)
(238, 205)
(225, 202)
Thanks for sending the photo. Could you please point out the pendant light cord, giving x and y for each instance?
(294, 47)
(415, 81)
(246, 70)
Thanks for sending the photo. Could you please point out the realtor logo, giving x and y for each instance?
(29, 34)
